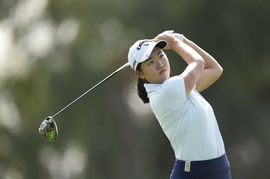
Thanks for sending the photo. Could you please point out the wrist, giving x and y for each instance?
(180, 37)
(176, 44)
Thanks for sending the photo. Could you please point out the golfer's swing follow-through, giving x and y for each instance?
(185, 117)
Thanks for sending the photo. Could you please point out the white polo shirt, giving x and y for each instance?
(189, 123)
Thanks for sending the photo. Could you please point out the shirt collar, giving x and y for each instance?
(150, 87)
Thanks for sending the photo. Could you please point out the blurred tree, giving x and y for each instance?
(52, 51)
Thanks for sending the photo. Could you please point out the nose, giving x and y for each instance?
(159, 64)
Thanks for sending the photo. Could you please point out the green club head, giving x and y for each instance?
(48, 129)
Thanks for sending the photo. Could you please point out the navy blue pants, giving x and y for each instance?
(218, 168)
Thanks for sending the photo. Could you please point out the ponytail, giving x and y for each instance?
(141, 90)
(140, 87)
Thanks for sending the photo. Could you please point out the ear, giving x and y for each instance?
(139, 74)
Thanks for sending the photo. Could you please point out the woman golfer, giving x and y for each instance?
(186, 118)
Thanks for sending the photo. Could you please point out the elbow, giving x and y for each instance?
(219, 70)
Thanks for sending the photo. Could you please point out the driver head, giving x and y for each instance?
(48, 129)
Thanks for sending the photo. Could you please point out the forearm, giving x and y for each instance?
(188, 54)
(210, 61)
(196, 64)
(212, 70)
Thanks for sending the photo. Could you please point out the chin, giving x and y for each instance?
(163, 79)
(166, 76)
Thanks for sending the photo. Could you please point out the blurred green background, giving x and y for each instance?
(53, 51)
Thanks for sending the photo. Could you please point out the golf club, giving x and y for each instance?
(48, 128)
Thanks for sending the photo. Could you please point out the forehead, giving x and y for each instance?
(156, 51)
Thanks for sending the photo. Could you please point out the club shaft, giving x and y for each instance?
(75, 100)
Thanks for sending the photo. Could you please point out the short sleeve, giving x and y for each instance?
(173, 91)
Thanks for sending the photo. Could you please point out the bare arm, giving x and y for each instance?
(212, 70)
(195, 62)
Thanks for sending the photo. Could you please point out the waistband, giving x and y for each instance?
(204, 166)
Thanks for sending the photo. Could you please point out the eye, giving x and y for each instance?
(161, 56)
(150, 62)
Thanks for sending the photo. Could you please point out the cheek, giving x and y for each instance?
(167, 63)
(145, 71)
(148, 73)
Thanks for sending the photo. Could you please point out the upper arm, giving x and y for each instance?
(208, 77)
(192, 74)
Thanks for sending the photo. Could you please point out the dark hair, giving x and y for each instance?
(140, 87)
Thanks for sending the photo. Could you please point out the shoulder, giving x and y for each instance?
(170, 90)
(174, 82)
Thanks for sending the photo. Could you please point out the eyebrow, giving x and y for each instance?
(160, 51)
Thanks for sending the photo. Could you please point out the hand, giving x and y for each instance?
(170, 37)
(180, 37)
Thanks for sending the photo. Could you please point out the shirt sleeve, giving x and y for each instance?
(173, 91)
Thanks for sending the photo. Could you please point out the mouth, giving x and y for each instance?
(162, 71)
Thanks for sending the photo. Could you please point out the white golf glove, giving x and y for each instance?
(177, 35)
